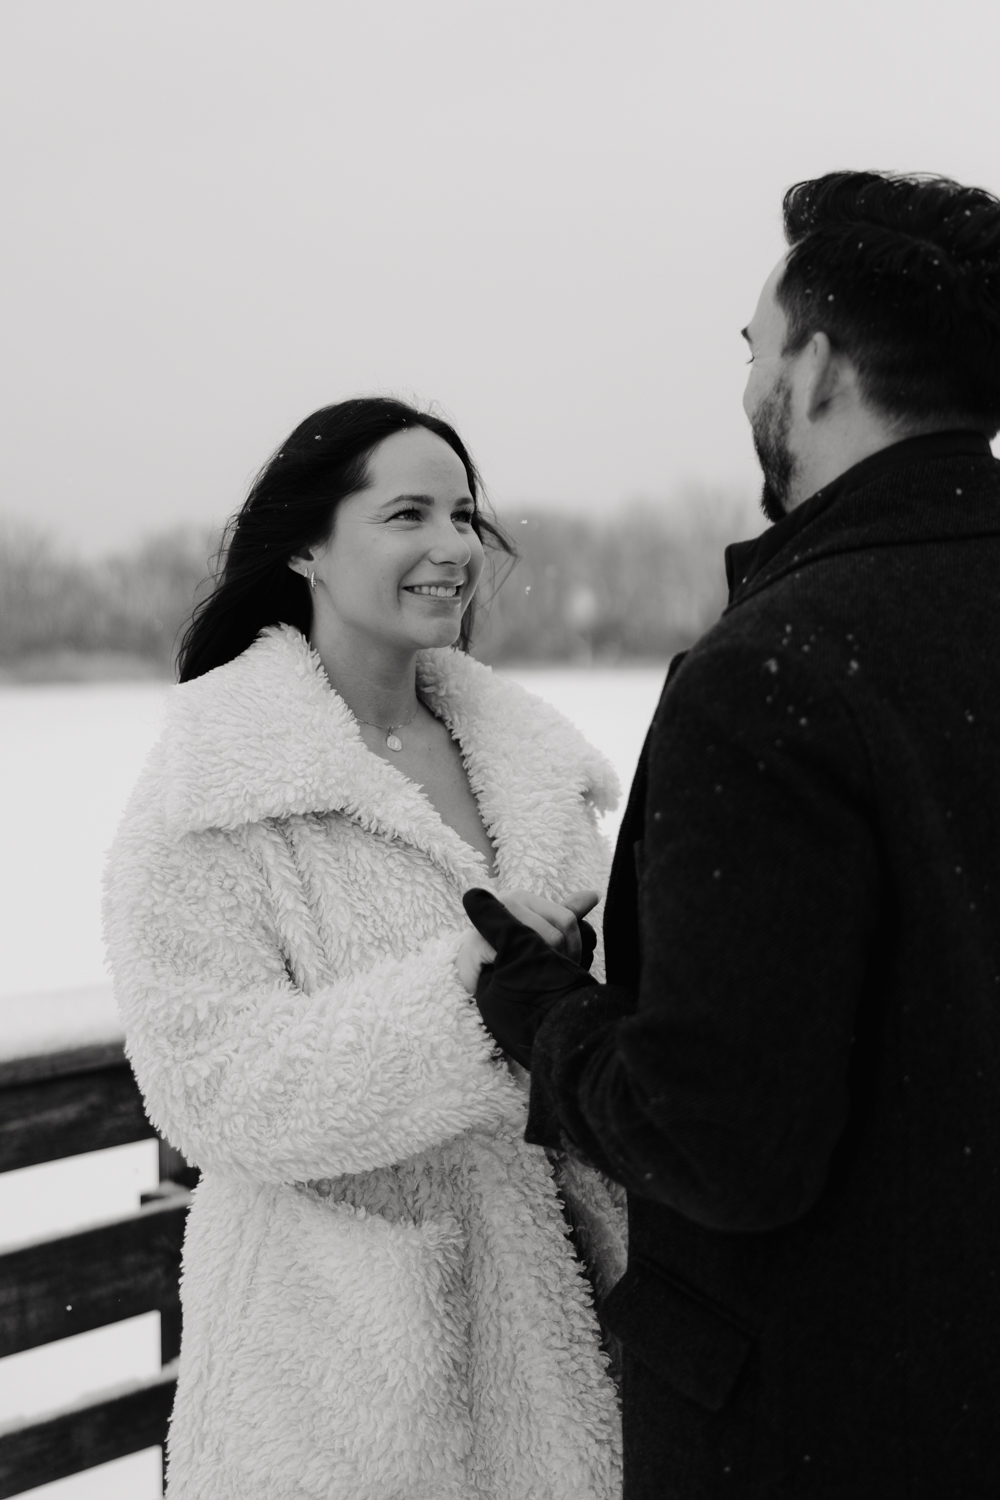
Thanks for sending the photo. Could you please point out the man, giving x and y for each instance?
(794, 1066)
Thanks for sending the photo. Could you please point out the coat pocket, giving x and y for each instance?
(694, 1343)
(349, 1372)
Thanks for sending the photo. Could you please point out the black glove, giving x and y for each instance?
(517, 991)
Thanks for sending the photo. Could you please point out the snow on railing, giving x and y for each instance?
(61, 1021)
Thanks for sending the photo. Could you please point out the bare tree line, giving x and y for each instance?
(641, 583)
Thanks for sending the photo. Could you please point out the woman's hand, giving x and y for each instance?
(557, 924)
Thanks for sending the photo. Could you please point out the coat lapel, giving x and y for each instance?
(527, 765)
(265, 736)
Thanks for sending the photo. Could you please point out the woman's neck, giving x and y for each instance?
(378, 686)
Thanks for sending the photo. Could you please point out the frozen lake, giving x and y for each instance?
(69, 756)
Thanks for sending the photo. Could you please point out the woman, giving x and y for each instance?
(380, 1298)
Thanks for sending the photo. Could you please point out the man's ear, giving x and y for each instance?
(824, 376)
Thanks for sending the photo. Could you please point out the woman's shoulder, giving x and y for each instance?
(261, 736)
(487, 708)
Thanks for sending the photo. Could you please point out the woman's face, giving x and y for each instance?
(402, 561)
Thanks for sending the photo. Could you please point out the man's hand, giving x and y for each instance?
(561, 927)
(526, 978)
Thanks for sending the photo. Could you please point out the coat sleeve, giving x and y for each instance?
(247, 1071)
(723, 1086)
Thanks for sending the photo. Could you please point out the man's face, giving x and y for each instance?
(767, 399)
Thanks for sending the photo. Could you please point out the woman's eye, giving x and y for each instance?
(414, 513)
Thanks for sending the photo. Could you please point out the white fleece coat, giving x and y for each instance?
(380, 1299)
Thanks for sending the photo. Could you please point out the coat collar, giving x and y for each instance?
(938, 487)
(265, 736)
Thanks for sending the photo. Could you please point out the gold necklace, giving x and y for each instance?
(392, 740)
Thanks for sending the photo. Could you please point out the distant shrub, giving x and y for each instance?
(643, 582)
(130, 604)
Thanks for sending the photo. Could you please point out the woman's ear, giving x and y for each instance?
(305, 566)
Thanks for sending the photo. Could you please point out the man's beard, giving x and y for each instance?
(770, 426)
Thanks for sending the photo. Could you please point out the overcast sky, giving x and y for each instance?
(550, 217)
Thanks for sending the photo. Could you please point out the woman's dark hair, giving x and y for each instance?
(289, 509)
(903, 274)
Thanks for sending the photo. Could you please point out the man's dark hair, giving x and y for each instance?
(902, 273)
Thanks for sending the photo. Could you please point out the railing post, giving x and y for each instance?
(175, 1176)
(174, 1167)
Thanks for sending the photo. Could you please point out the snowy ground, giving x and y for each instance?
(69, 757)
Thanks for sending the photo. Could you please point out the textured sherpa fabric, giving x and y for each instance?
(380, 1298)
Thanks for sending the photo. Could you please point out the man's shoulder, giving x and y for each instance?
(768, 674)
(784, 620)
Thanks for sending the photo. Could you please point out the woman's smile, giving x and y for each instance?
(451, 592)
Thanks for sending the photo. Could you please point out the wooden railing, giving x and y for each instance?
(58, 1104)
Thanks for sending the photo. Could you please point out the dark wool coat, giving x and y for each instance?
(795, 1065)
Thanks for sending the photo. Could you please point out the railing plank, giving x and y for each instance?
(53, 1288)
(91, 1432)
(45, 1119)
(28, 1067)
(59, 1100)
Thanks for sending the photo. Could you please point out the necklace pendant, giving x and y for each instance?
(393, 741)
